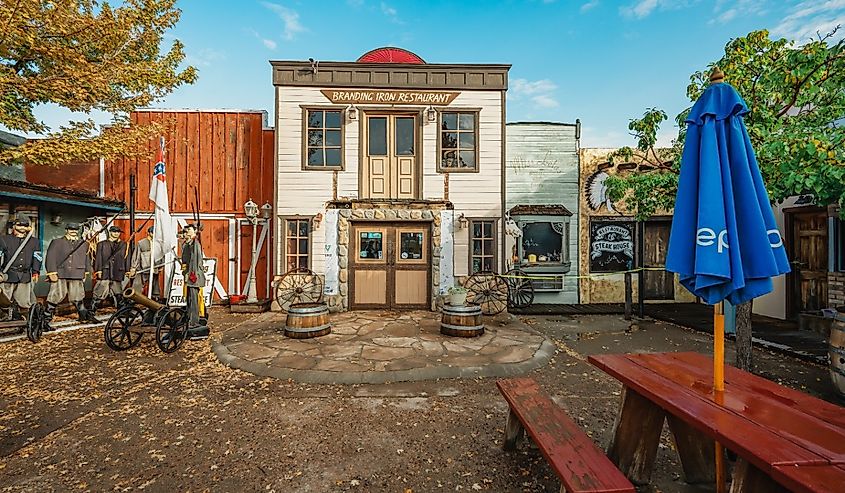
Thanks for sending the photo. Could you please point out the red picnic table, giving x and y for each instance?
(785, 440)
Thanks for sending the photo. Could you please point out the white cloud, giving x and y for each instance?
(539, 92)
(727, 11)
(269, 43)
(391, 13)
(524, 87)
(290, 18)
(589, 6)
(643, 8)
(204, 57)
(808, 18)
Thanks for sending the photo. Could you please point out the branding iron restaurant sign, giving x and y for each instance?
(389, 97)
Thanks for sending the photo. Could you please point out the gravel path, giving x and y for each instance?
(78, 417)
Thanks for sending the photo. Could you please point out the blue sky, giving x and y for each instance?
(601, 61)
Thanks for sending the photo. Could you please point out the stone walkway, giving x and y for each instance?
(383, 346)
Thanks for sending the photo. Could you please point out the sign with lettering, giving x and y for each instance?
(611, 246)
(366, 96)
(177, 289)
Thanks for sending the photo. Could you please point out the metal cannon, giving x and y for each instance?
(139, 315)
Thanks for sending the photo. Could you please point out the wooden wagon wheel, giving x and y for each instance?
(124, 328)
(520, 289)
(172, 328)
(298, 285)
(35, 322)
(488, 290)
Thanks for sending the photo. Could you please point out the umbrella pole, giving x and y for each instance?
(719, 384)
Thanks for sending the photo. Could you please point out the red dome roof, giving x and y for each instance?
(389, 54)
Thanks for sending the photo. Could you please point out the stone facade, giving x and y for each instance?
(835, 289)
(387, 211)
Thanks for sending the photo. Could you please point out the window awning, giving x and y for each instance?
(18, 190)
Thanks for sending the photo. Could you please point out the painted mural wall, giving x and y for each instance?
(542, 169)
(607, 235)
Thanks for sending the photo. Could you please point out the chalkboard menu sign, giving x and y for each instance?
(611, 246)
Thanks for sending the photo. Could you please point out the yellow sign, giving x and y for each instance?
(365, 96)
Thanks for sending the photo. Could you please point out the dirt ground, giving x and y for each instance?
(75, 416)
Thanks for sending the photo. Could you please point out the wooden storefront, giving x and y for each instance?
(410, 155)
(223, 158)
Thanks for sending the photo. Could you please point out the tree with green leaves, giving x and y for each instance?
(796, 97)
(84, 55)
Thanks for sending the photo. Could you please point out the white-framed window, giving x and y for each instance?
(458, 143)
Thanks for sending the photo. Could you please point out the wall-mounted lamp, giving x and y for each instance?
(317, 220)
(56, 220)
(351, 113)
(461, 221)
(431, 114)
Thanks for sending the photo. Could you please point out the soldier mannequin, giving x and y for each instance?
(67, 264)
(192, 268)
(141, 259)
(111, 263)
(23, 272)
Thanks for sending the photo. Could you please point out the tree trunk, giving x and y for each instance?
(743, 337)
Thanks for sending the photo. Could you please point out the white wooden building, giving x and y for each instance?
(390, 176)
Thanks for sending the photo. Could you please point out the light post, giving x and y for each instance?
(251, 212)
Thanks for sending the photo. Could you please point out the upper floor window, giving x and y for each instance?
(458, 141)
(323, 144)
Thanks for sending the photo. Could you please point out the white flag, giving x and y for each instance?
(164, 239)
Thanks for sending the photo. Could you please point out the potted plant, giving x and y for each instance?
(457, 295)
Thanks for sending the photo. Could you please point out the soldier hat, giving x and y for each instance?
(151, 229)
(72, 226)
(21, 219)
(115, 229)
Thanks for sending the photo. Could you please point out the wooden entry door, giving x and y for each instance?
(390, 157)
(390, 265)
(659, 284)
(807, 250)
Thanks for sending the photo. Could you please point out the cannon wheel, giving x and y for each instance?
(172, 328)
(35, 322)
(489, 290)
(298, 285)
(122, 331)
(520, 289)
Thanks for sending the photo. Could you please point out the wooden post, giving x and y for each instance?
(629, 295)
(641, 265)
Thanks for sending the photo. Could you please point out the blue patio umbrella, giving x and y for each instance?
(724, 242)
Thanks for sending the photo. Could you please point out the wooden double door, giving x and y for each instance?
(390, 265)
(390, 156)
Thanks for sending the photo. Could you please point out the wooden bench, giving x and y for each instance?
(581, 466)
(784, 439)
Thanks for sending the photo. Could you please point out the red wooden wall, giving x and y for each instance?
(226, 156)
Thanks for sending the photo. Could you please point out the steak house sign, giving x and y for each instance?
(390, 97)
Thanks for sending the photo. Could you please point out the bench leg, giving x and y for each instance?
(695, 450)
(749, 479)
(636, 436)
(513, 431)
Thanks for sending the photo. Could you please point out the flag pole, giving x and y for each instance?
(156, 225)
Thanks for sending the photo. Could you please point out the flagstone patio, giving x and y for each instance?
(383, 346)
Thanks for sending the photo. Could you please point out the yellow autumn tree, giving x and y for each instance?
(84, 55)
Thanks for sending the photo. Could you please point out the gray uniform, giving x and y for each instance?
(17, 286)
(192, 268)
(141, 258)
(71, 271)
(111, 260)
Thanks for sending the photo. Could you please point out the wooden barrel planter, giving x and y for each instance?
(836, 352)
(461, 321)
(307, 320)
